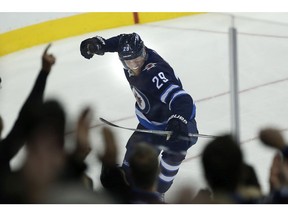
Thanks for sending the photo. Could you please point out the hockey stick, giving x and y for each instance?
(158, 132)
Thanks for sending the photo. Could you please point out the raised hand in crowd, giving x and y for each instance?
(15, 139)
(278, 178)
(272, 137)
(109, 156)
(47, 60)
(83, 146)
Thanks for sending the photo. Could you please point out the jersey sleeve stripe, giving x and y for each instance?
(167, 92)
(176, 94)
(152, 125)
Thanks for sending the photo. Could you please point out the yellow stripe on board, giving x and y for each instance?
(146, 17)
(61, 28)
(52, 30)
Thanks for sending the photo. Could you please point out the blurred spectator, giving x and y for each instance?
(222, 162)
(231, 180)
(249, 189)
(45, 156)
(273, 138)
(203, 196)
(48, 174)
(144, 168)
(73, 185)
(83, 146)
(14, 141)
(144, 172)
(278, 180)
(188, 195)
(112, 176)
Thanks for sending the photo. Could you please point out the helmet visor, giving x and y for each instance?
(135, 63)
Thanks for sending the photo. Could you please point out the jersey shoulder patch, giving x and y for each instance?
(150, 66)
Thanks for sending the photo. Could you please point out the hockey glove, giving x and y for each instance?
(178, 126)
(92, 46)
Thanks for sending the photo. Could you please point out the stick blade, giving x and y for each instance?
(107, 122)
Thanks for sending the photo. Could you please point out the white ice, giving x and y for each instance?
(197, 47)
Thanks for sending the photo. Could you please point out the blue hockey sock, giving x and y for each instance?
(168, 171)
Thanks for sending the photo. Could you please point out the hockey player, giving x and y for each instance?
(161, 101)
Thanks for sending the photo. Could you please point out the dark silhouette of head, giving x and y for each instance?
(48, 120)
(144, 166)
(222, 161)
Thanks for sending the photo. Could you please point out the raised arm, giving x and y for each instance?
(16, 138)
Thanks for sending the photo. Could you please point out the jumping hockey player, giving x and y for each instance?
(161, 101)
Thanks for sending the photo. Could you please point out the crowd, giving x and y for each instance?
(51, 175)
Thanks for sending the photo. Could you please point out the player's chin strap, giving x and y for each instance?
(159, 132)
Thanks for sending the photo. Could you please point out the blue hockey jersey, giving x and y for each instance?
(157, 90)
